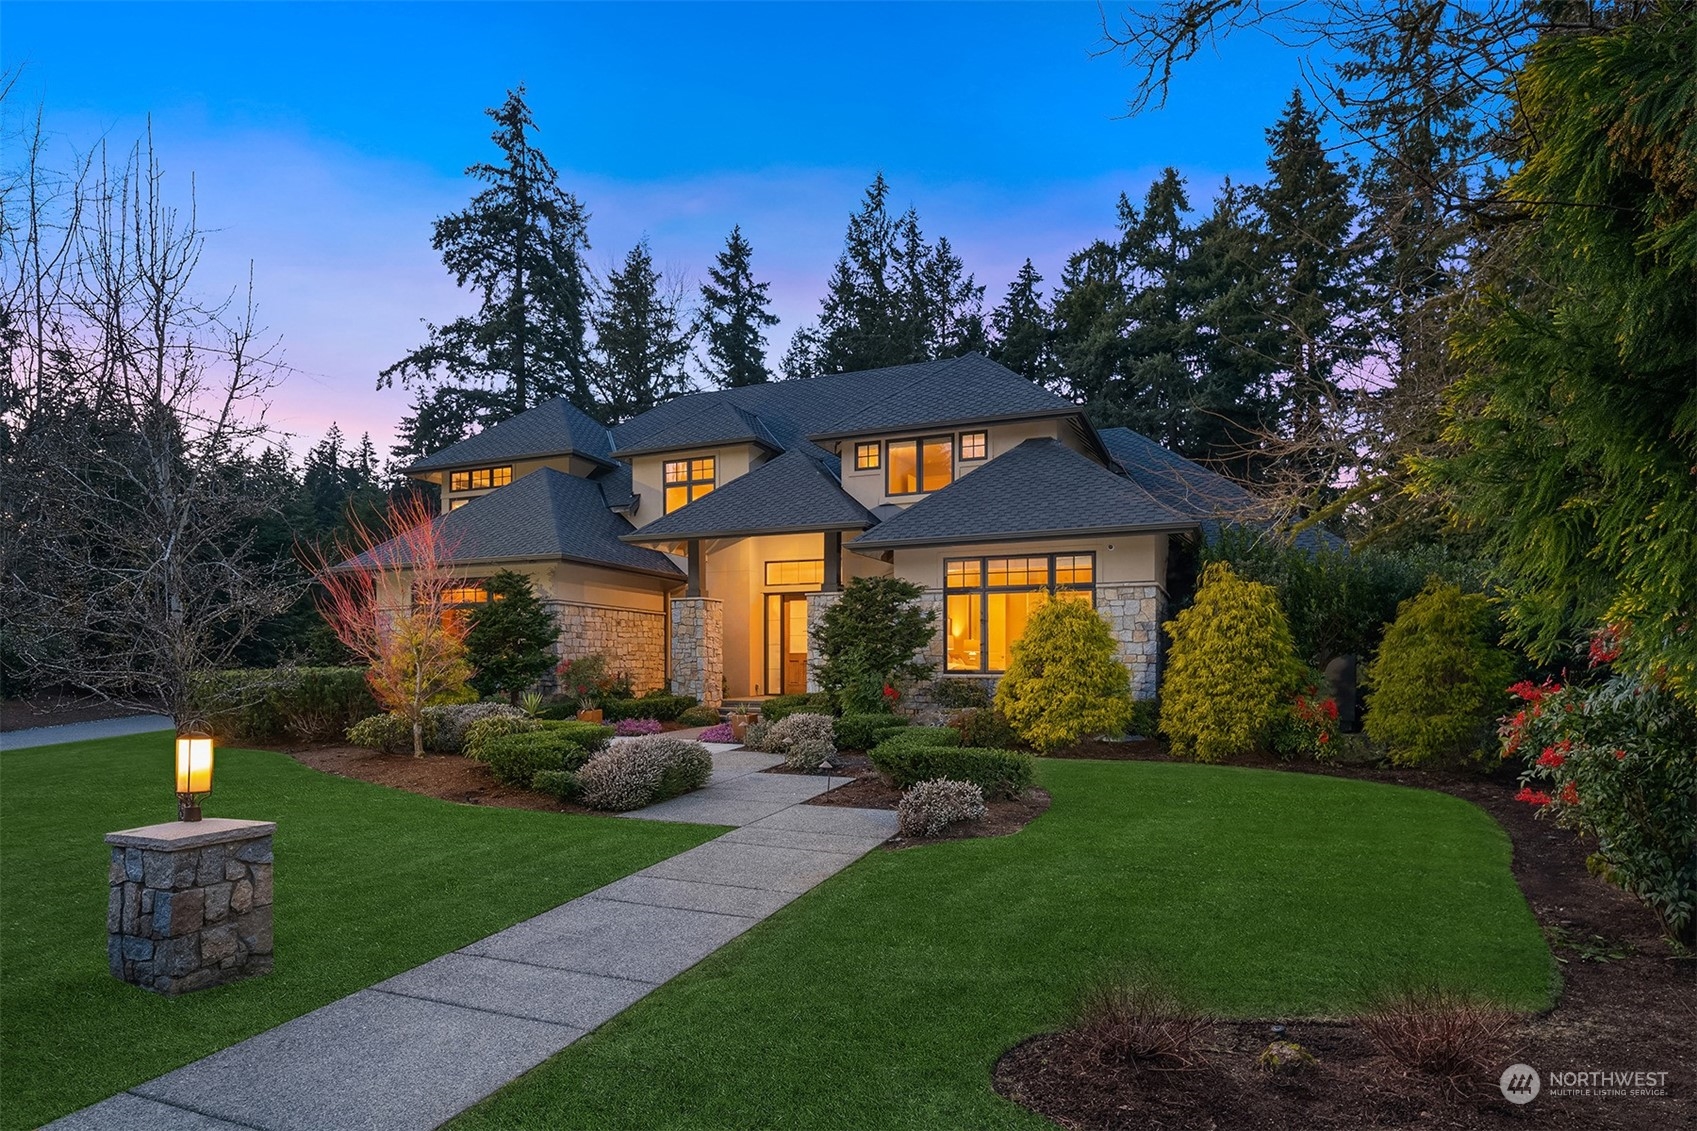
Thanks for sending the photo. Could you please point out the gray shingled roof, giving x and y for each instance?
(1040, 489)
(546, 514)
(961, 390)
(789, 494)
(717, 422)
(551, 428)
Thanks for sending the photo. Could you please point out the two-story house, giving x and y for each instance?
(694, 545)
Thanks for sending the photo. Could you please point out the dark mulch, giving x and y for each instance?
(1628, 1002)
(57, 710)
(868, 791)
(445, 776)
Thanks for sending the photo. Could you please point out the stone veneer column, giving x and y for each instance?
(817, 603)
(698, 649)
(190, 904)
(1135, 613)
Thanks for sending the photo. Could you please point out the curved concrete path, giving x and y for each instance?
(416, 1050)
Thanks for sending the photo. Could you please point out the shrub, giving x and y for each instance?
(757, 736)
(722, 732)
(778, 707)
(1064, 679)
(449, 724)
(510, 638)
(1311, 725)
(805, 740)
(984, 726)
(870, 638)
(1231, 670)
(699, 717)
(932, 806)
(1438, 1032)
(1615, 762)
(392, 734)
(863, 732)
(929, 737)
(1437, 683)
(635, 772)
(495, 726)
(558, 784)
(1145, 718)
(590, 736)
(588, 683)
(515, 759)
(631, 728)
(960, 694)
(999, 773)
(1134, 1020)
(311, 704)
(654, 705)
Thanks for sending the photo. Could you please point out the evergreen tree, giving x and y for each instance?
(1089, 318)
(801, 359)
(519, 246)
(1021, 328)
(1155, 392)
(641, 341)
(510, 640)
(734, 317)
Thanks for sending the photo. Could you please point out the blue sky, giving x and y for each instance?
(324, 138)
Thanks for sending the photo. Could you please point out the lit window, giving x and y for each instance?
(480, 479)
(687, 480)
(456, 504)
(866, 457)
(796, 573)
(987, 602)
(466, 593)
(918, 466)
(974, 445)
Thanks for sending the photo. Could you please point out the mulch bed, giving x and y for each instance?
(448, 777)
(1628, 1002)
(868, 791)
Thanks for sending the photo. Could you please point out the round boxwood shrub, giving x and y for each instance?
(1064, 680)
(1437, 684)
(515, 759)
(636, 772)
(863, 732)
(1231, 671)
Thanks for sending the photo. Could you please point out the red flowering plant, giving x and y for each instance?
(1311, 728)
(1617, 760)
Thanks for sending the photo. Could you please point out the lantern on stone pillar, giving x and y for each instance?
(194, 773)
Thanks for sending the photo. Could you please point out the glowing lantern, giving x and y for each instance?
(194, 773)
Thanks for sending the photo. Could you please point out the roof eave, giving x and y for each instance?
(959, 422)
(486, 461)
(1020, 536)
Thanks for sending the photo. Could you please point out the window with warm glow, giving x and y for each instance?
(456, 504)
(987, 602)
(687, 480)
(918, 466)
(796, 573)
(974, 445)
(480, 478)
(466, 593)
(866, 456)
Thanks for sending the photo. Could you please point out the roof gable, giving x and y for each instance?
(551, 428)
(788, 494)
(717, 422)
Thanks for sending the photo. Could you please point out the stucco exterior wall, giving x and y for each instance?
(869, 487)
(648, 474)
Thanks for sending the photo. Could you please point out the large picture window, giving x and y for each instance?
(688, 479)
(988, 601)
(918, 466)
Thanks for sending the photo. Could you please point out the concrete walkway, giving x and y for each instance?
(83, 732)
(416, 1050)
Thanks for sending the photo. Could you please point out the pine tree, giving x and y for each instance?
(519, 246)
(509, 641)
(801, 359)
(1159, 350)
(1021, 326)
(1089, 318)
(734, 317)
(641, 340)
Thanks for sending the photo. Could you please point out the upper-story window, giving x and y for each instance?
(480, 478)
(974, 445)
(866, 456)
(688, 479)
(918, 466)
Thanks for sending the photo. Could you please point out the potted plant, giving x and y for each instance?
(739, 726)
(583, 679)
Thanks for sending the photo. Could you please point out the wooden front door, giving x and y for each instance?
(795, 643)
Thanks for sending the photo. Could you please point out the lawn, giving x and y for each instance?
(369, 882)
(883, 998)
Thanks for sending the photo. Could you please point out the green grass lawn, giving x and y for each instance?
(369, 882)
(883, 998)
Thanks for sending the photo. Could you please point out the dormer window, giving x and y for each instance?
(687, 480)
(480, 478)
(919, 466)
(866, 456)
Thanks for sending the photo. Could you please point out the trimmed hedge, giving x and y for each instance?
(665, 708)
(484, 731)
(314, 704)
(863, 732)
(928, 737)
(999, 773)
(590, 736)
(777, 707)
(562, 785)
(517, 758)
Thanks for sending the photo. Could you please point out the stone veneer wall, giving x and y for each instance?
(698, 649)
(186, 916)
(1135, 613)
(632, 640)
(817, 604)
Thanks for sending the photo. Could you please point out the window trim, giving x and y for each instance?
(960, 447)
(983, 589)
(865, 448)
(689, 482)
(919, 443)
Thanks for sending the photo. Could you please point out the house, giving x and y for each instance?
(696, 544)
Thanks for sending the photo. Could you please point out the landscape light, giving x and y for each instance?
(194, 773)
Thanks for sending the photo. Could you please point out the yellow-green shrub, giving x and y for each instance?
(1065, 680)
(1231, 670)
(1437, 683)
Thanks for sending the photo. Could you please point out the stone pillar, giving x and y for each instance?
(190, 904)
(817, 603)
(698, 649)
(1135, 613)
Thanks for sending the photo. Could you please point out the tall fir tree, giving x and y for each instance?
(1021, 328)
(641, 340)
(734, 317)
(510, 640)
(1089, 319)
(519, 246)
(1155, 392)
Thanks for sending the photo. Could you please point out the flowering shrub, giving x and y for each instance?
(452, 721)
(1231, 670)
(758, 736)
(720, 733)
(632, 728)
(1615, 761)
(932, 806)
(495, 726)
(634, 772)
(1436, 682)
(1065, 680)
(805, 740)
(1312, 726)
(587, 680)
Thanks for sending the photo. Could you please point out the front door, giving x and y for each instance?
(795, 643)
